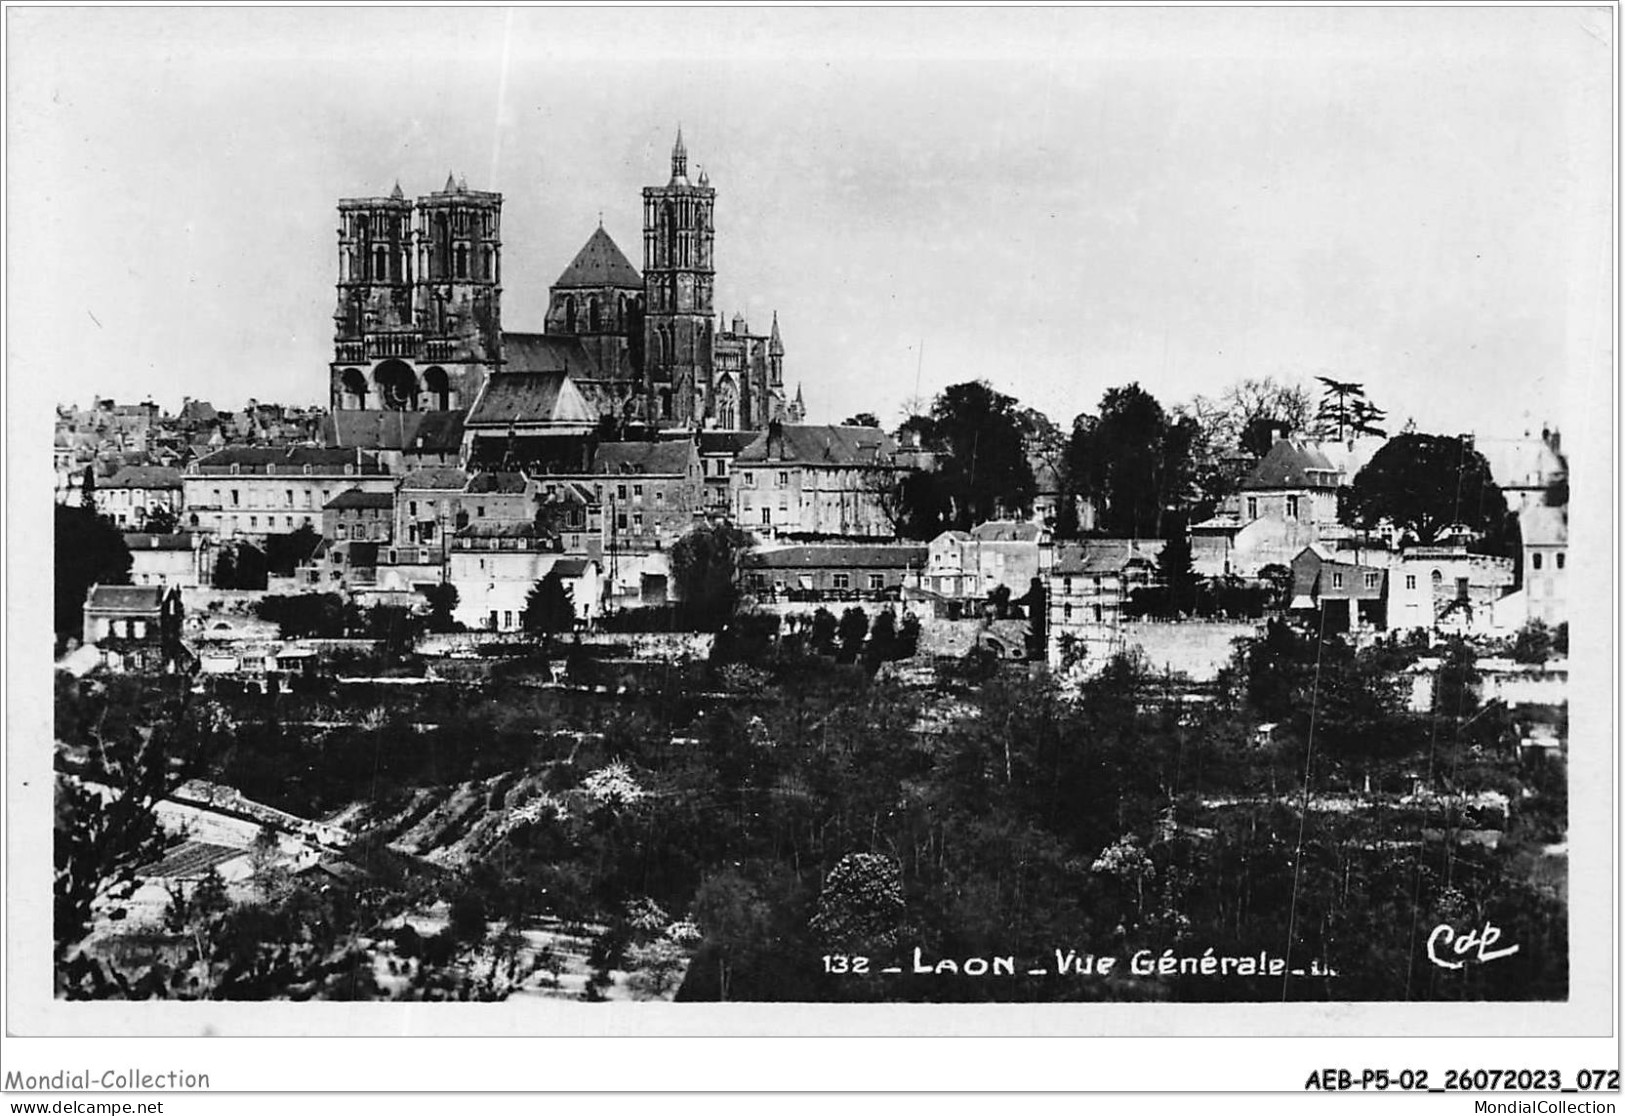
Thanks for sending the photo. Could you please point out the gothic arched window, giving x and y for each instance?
(595, 321)
(569, 313)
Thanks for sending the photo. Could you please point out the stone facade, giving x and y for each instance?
(418, 324)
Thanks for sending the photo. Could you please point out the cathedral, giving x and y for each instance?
(419, 320)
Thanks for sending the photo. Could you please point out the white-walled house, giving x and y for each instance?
(494, 568)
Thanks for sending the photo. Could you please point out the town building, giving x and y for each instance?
(1545, 563)
(652, 492)
(1449, 590)
(1352, 587)
(1088, 585)
(427, 505)
(494, 567)
(832, 572)
(1287, 502)
(831, 481)
(718, 451)
(136, 492)
(251, 491)
(355, 515)
(135, 627)
(401, 440)
(183, 560)
(968, 565)
(1526, 469)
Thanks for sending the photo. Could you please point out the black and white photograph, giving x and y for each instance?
(879, 520)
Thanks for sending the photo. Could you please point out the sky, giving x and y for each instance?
(1058, 201)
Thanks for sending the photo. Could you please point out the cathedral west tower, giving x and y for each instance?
(418, 324)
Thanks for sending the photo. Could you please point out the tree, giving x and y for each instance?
(240, 566)
(1177, 574)
(734, 920)
(398, 628)
(141, 740)
(882, 645)
(308, 615)
(1039, 433)
(1245, 414)
(705, 571)
(161, 520)
(824, 626)
(548, 607)
(284, 552)
(1132, 461)
(924, 508)
(854, 626)
(908, 636)
(442, 598)
(89, 551)
(1344, 410)
(860, 908)
(1533, 643)
(863, 418)
(1424, 484)
(985, 469)
(1279, 578)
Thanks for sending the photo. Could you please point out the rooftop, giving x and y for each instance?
(1292, 463)
(265, 459)
(144, 476)
(879, 556)
(820, 445)
(599, 264)
(411, 431)
(1100, 556)
(142, 540)
(531, 397)
(125, 598)
(670, 458)
(354, 498)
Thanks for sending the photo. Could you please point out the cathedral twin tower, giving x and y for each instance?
(419, 319)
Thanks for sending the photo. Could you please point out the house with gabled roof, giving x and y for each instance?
(135, 627)
(1287, 502)
(135, 492)
(255, 491)
(830, 481)
(1088, 584)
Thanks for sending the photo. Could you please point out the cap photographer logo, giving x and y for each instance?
(85, 1080)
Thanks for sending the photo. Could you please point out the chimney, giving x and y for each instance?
(775, 440)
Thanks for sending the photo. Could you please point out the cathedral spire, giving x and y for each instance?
(396, 193)
(775, 346)
(679, 158)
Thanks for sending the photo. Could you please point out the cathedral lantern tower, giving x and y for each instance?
(418, 324)
(678, 274)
